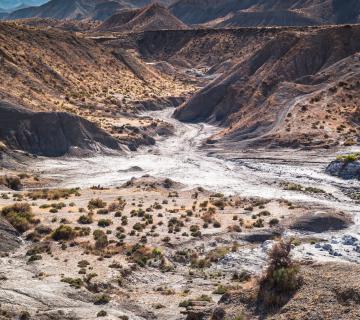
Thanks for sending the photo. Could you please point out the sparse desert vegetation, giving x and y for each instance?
(158, 162)
(144, 232)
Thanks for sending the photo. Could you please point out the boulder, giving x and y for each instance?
(344, 169)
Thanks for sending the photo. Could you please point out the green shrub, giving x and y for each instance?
(285, 279)
(102, 211)
(349, 157)
(314, 190)
(83, 263)
(101, 313)
(85, 219)
(259, 223)
(34, 257)
(104, 223)
(101, 239)
(292, 186)
(102, 299)
(19, 216)
(13, 183)
(53, 194)
(73, 282)
(41, 229)
(282, 276)
(185, 304)
(273, 222)
(63, 232)
(220, 290)
(138, 226)
(96, 204)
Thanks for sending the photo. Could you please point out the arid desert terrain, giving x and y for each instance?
(180, 160)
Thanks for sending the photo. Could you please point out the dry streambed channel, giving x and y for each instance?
(216, 218)
(294, 176)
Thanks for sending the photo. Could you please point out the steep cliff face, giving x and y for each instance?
(50, 133)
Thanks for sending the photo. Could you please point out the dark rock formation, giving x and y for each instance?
(344, 169)
(50, 133)
(260, 237)
(321, 222)
(9, 239)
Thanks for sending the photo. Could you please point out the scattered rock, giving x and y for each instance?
(349, 240)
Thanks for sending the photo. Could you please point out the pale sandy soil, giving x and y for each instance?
(136, 290)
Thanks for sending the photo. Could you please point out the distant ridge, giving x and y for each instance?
(152, 17)
(10, 5)
(237, 13)
(79, 9)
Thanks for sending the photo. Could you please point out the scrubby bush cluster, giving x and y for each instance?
(349, 157)
(281, 279)
(13, 183)
(53, 194)
(20, 216)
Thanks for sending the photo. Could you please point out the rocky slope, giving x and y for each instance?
(266, 97)
(51, 133)
(153, 17)
(327, 293)
(70, 9)
(78, 9)
(14, 4)
(263, 18)
(47, 70)
(70, 25)
(58, 70)
(260, 12)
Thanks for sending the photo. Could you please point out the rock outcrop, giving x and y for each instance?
(51, 133)
(9, 237)
(344, 169)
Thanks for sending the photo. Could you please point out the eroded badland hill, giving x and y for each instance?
(158, 162)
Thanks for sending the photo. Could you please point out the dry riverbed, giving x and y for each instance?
(139, 251)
